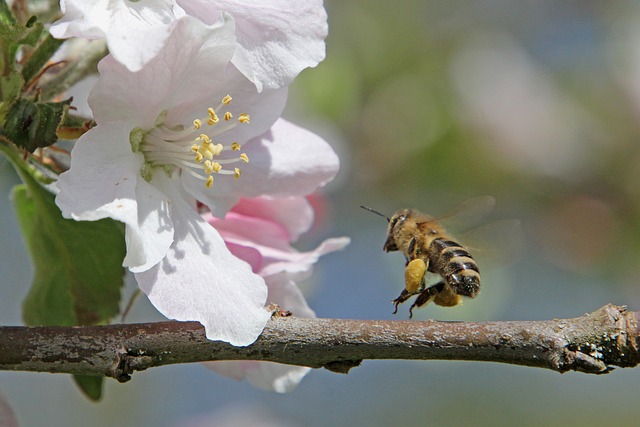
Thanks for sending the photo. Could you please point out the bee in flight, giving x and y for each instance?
(428, 247)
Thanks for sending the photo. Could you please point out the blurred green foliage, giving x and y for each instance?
(535, 104)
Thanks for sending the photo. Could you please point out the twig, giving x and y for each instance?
(593, 343)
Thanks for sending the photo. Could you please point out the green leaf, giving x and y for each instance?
(10, 87)
(78, 264)
(13, 35)
(16, 34)
(90, 386)
(6, 17)
(31, 125)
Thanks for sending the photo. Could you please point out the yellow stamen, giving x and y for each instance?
(206, 150)
(209, 153)
(208, 167)
(213, 117)
(217, 149)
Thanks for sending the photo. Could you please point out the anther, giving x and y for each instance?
(213, 117)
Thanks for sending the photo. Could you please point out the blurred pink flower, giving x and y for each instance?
(260, 231)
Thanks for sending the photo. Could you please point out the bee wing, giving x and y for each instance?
(497, 243)
(467, 214)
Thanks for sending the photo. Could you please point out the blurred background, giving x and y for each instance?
(431, 103)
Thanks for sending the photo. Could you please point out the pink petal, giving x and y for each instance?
(295, 214)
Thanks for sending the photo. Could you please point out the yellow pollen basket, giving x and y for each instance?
(207, 152)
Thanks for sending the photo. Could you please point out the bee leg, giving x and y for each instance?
(404, 295)
(414, 281)
(425, 296)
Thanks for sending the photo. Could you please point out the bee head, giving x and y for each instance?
(395, 224)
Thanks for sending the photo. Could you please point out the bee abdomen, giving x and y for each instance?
(457, 267)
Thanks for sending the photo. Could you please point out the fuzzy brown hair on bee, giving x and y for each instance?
(428, 247)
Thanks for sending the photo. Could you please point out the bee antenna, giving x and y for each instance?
(375, 212)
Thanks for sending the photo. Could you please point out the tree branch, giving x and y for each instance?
(593, 343)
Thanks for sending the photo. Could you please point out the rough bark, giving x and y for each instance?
(593, 343)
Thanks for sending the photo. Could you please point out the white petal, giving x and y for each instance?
(267, 375)
(201, 280)
(263, 108)
(264, 375)
(149, 238)
(104, 182)
(277, 38)
(289, 161)
(120, 22)
(287, 295)
(173, 80)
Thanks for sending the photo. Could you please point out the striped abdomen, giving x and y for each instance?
(455, 264)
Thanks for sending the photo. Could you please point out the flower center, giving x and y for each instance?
(195, 149)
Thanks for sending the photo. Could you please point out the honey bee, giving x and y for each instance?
(428, 247)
